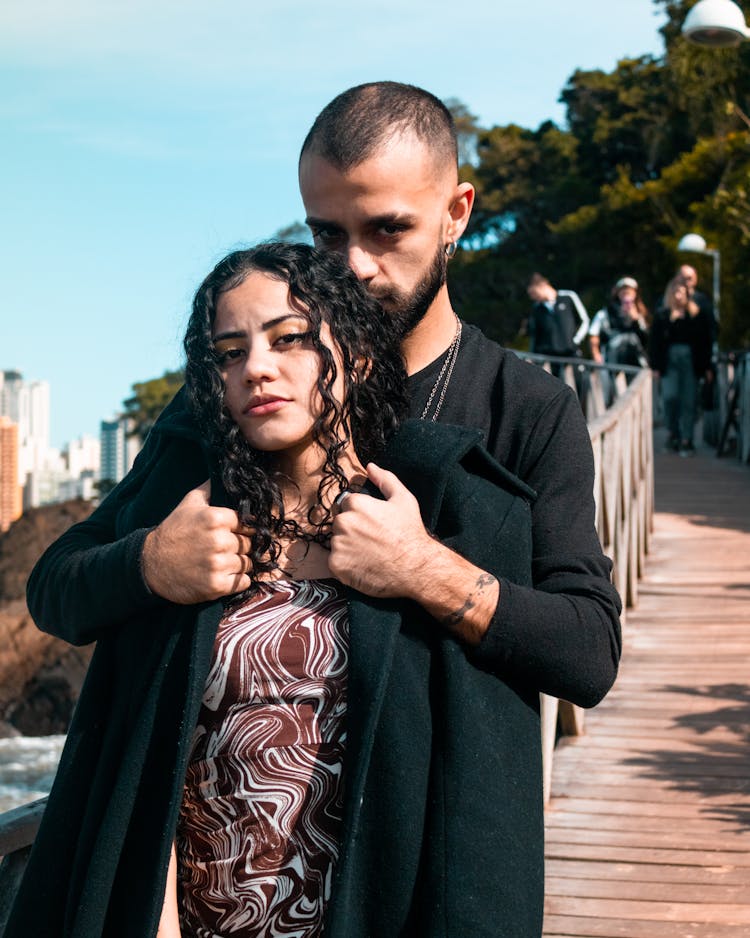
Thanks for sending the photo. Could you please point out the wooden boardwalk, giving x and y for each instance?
(648, 827)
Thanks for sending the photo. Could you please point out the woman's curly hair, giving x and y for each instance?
(374, 397)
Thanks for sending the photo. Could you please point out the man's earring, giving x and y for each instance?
(450, 249)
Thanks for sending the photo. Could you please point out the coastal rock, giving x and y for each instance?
(40, 676)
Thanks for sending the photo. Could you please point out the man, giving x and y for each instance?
(378, 175)
(558, 322)
(689, 276)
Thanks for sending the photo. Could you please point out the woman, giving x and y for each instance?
(289, 384)
(680, 352)
(618, 332)
(311, 751)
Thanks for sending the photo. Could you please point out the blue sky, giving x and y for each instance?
(141, 141)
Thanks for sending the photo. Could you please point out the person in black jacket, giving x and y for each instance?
(558, 322)
(379, 181)
(680, 351)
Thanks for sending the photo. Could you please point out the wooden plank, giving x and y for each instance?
(654, 822)
(593, 807)
(647, 791)
(636, 854)
(729, 913)
(736, 850)
(558, 926)
(620, 874)
(645, 890)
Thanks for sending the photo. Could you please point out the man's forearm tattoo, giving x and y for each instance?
(483, 583)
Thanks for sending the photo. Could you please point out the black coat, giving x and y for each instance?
(442, 832)
(552, 331)
(695, 331)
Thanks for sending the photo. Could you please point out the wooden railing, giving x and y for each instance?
(623, 490)
(729, 423)
(622, 441)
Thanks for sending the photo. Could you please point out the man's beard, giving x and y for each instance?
(407, 310)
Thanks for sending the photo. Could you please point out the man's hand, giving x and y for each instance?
(382, 548)
(198, 552)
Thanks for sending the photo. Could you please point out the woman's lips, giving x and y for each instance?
(259, 407)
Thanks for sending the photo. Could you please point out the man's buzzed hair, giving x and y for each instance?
(537, 280)
(359, 121)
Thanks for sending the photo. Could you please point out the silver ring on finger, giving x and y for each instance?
(338, 502)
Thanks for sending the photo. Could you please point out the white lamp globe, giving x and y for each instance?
(692, 242)
(717, 23)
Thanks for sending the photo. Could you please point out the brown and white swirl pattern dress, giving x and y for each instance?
(260, 819)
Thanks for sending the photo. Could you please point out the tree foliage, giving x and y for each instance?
(148, 400)
(652, 150)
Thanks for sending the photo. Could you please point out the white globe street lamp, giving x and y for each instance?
(696, 244)
(717, 23)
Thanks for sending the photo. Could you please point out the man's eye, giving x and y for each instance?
(326, 235)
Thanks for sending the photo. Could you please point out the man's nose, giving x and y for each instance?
(362, 263)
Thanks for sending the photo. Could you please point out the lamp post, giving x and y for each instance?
(716, 23)
(696, 244)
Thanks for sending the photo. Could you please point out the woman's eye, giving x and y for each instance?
(292, 338)
(225, 356)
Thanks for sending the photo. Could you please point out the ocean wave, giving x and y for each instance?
(27, 768)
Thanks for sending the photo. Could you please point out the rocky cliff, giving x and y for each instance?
(40, 676)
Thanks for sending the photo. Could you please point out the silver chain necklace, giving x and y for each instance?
(445, 372)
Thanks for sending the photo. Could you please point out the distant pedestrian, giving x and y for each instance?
(558, 322)
(680, 350)
(689, 276)
(618, 332)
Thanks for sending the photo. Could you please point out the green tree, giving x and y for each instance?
(624, 118)
(148, 400)
(467, 131)
(294, 233)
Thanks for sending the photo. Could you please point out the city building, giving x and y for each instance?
(10, 490)
(83, 455)
(43, 474)
(118, 450)
(27, 403)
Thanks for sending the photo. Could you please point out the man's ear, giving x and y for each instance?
(459, 210)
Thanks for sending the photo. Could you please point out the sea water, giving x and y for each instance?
(27, 768)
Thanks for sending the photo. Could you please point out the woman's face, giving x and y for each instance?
(269, 365)
(626, 297)
(679, 296)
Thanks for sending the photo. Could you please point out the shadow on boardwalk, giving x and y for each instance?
(718, 765)
(648, 829)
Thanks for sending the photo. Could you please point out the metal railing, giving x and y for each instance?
(617, 403)
(18, 829)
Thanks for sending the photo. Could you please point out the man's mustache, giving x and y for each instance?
(384, 297)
